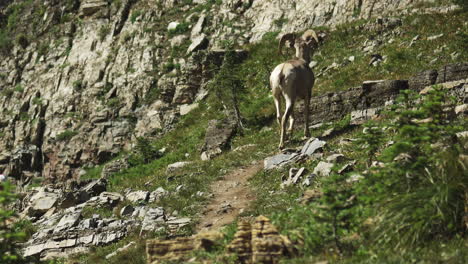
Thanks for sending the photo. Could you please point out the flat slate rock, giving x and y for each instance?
(279, 160)
(311, 146)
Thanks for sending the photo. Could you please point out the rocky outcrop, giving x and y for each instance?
(85, 215)
(260, 243)
(366, 101)
(180, 248)
(217, 137)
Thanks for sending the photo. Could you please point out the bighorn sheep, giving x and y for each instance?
(294, 79)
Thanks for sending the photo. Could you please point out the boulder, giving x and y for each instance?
(279, 160)
(137, 196)
(94, 188)
(42, 202)
(70, 219)
(127, 210)
(198, 43)
(198, 28)
(154, 218)
(217, 138)
(312, 146)
(173, 25)
(157, 194)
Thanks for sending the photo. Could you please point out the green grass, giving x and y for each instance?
(66, 135)
(402, 61)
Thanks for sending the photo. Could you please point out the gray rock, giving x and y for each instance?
(312, 64)
(323, 169)
(138, 196)
(42, 202)
(334, 158)
(198, 43)
(154, 218)
(435, 37)
(89, 223)
(106, 199)
(198, 28)
(294, 176)
(354, 178)
(69, 220)
(176, 167)
(139, 212)
(312, 146)
(95, 187)
(279, 160)
(157, 194)
(187, 108)
(173, 25)
(360, 116)
(217, 138)
(114, 167)
(127, 210)
(308, 180)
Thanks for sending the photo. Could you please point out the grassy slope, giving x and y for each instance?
(258, 110)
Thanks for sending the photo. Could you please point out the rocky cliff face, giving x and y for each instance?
(93, 74)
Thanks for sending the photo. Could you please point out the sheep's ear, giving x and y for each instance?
(291, 37)
(310, 37)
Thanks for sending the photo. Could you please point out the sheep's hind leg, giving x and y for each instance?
(277, 100)
(306, 116)
(287, 113)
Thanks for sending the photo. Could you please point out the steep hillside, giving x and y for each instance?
(118, 125)
(82, 79)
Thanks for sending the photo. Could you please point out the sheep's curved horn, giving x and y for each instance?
(310, 35)
(291, 37)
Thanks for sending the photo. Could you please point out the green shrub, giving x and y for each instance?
(113, 102)
(77, 85)
(144, 152)
(462, 3)
(135, 15)
(104, 31)
(180, 29)
(9, 237)
(22, 40)
(5, 42)
(418, 194)
(66, 135)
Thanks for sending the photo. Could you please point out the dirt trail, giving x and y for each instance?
(231, 195)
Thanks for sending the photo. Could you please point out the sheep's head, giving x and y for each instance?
(303, 44)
